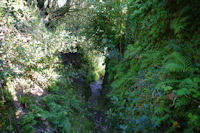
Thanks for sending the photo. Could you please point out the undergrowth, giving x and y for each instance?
(152, 71)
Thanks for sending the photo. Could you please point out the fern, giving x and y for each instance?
(28, 122)
(177, 63)
(179, 24)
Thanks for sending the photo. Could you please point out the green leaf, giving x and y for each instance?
(66, 125)
(167, 88)
(183, 91)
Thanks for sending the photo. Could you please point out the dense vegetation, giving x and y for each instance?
(50, 53)
(154, 81)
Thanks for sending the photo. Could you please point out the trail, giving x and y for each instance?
(93, 103)
(95, 89)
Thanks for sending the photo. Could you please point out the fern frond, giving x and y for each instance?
(177, 63)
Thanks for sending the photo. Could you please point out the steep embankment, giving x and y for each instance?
(154, 84)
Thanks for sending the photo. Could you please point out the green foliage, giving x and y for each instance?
(7, 112)
(28, 123)
(58, 111)
(177, 63)
(29, 64)
(152, 65)
(154, 86)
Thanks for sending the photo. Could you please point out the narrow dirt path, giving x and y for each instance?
(95, 89)
(97, 112)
